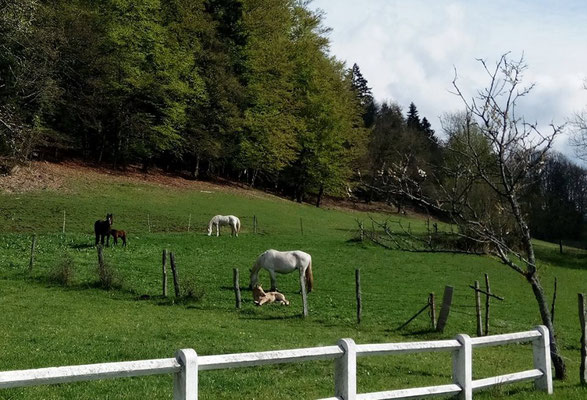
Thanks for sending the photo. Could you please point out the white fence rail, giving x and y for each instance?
(187, 364)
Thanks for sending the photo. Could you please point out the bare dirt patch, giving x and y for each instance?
(34, 177)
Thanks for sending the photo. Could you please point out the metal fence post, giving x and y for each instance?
(185, 382)
(462, 367)
(345, 371)
(541, 348)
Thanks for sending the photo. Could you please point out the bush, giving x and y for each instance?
(63, 273)
(108, 278)
(191, 292)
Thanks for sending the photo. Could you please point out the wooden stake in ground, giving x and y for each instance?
(164, 262)
(414, 316)
(189, 222)
(358, 294)
(583, 321)
(445, 308)
(478, 309)
(174, 271)
(63, 231)
(237, 289)
(552, 307)
(488, 289)
(255, 224)
(100, 259)
(149, 222)
(432, 305)
(32, 260)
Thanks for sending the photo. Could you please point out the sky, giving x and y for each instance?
(409, 50)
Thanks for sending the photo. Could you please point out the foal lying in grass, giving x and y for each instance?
(261, 297)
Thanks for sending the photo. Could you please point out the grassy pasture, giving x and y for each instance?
(44, 324)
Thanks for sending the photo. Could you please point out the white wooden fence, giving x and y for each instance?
(187, 364)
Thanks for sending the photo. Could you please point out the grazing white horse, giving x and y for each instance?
(284, 262)
(221, 220)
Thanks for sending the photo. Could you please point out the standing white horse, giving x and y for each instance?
(284, 262)
(221, 220)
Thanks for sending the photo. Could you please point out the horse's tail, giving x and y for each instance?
(309, 277)
(238, 225)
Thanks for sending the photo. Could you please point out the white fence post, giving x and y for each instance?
(462, 367)
(345, 371)
(541, 348)
(185, 382)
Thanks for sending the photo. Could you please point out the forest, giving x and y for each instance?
(244, 90)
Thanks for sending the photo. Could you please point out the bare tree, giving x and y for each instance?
(491, 156)
(579, 137)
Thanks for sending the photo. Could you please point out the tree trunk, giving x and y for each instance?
(254, 177)
(557, 360)
(320, 194)
(196, 170)
(560, 246)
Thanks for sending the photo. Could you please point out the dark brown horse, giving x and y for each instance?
(102, 230)
(118, 234)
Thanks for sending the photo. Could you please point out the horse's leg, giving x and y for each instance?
(108, 240)
(218, 229)
(302, 279)
(272, 275)
(97, 238)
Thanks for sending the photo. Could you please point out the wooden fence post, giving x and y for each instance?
(189, 222)
(488, 289)
(432, 305)
(255, 224)
(164, 262)
(552, 307)
(304, 294)
(345, 371)
(478, 309)
(32, 259)
(185, 382)
(462, 367)
(358, 294)
(362, 233)
(541, 348)
(237, 289)
(175, 277)
(63, 231)
(100, 257)
(583, 321)
(445, 308)
(149, 222)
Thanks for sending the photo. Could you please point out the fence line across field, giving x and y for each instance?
(187, 364)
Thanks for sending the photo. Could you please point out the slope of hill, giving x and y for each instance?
(46, 324)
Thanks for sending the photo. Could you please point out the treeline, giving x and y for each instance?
(245, 89)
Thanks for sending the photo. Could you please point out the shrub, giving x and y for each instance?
(108, 277)
(191, 292)
(64, 272)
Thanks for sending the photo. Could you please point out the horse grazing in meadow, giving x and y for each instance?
(102, 229)
(284, 262)
(222, 220)
(261, 297)
(118, 234)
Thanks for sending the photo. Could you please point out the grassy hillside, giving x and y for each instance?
(45, 324)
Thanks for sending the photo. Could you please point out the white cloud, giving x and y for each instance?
(408, 50)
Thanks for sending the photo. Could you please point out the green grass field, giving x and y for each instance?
(44, 324)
